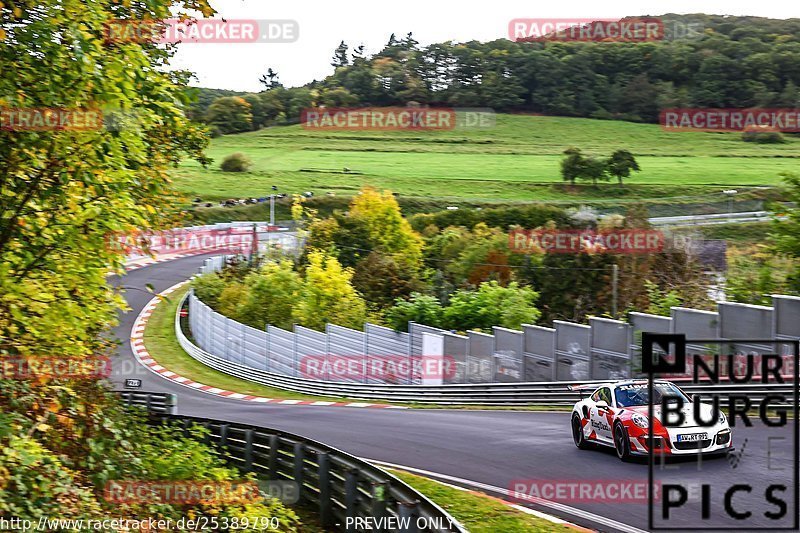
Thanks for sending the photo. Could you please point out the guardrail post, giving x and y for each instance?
(223, 436)
(379, 491)
(207, 436)
(350, 493)
(407, 512)
(170, 404)
(273, 456)
(324, 475)
(248, 450)
(299, 466)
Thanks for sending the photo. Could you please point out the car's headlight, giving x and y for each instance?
(722, 418)
(640, 420)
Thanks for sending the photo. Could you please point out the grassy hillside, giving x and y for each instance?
(517, 160)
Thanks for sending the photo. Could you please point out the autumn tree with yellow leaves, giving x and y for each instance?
(65, 192)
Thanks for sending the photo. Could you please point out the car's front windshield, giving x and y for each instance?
(635, 394)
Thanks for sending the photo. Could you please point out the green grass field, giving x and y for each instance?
(517, 160)
(477, 512)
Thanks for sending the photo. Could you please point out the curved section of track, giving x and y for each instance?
(482, 448)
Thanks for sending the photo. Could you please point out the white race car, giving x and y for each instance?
(616, 415)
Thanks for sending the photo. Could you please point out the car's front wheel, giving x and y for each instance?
(577, 433)
(622, 442)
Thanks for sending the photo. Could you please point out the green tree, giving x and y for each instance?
(661, 301)
(328, 295)
(338, 97)
(468, 258)
(230, 114)
(273, 291)
(571, 286)
(621, 163)
(419, 308)
(345, 237)
(237, 162)
(491, 305)
(381, 280)
(594, 169)
(208, 288)
(572, 165)
(294, 101)
(786, 231)
(65, 198)
(340, 58)
(790, 96)
(272, 106)
(258, 110)
(231, 298)
(270, 80)
(388, 231)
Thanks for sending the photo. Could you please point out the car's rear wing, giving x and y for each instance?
(585, 388)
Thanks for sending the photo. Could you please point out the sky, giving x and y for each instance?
(324, 23)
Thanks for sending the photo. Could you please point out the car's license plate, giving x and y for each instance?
(692, 437)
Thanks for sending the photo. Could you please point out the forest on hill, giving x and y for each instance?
(704, 61)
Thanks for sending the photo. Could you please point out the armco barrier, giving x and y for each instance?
(339, 485)
(549, 393)
(154, 402)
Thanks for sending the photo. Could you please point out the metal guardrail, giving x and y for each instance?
(552, 393)
(711, 219)
(154, 402)
(341, 486)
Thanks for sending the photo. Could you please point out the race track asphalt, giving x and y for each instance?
(494, 448)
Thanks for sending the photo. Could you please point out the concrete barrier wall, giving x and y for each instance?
(457, 347)
(540, 353)
(573, 351)
(509, 363)
(610, 349)
(743, 321)
(480, 357)
(695, 324)
(603, 349)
